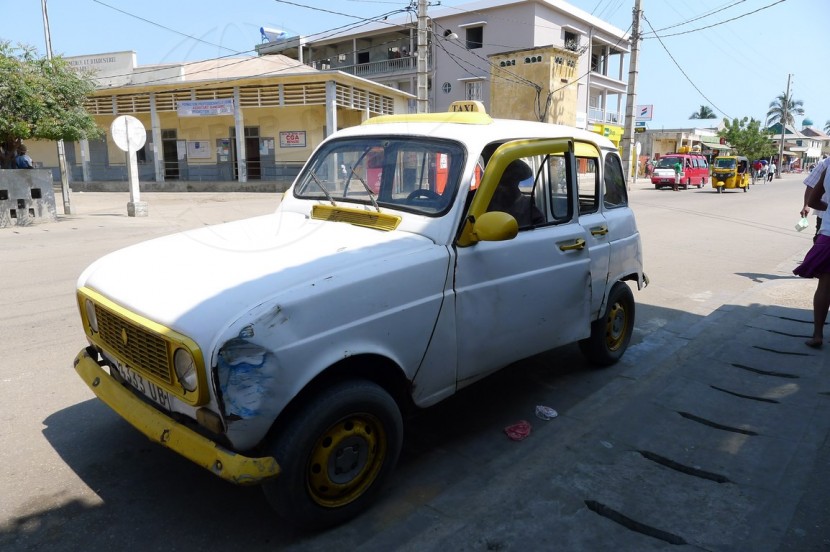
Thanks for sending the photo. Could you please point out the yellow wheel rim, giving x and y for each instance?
(615, 326)
(346, 460)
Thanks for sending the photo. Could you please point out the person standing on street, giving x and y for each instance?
(810, 183)
(816, 264)
(770, 171)
(678, 172)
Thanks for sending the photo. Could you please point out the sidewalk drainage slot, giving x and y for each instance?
(741, 395)
(800, 336)
(682, 468)
(792, 353)
(633, 525)
(716, 425)
(765, 372)
(794, 319)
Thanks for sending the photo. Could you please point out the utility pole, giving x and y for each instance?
(67, 207)
(631, 97)
(423, 88)
(785, 109)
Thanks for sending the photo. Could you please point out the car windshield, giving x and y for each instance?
(725, 163)
(667, 162)
(410, 174)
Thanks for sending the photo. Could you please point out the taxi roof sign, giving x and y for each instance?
(467, 106)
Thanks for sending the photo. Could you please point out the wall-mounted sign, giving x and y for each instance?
(198, 149)
(205, 108)
(292, 139)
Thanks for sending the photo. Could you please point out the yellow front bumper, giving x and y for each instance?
(162, 429)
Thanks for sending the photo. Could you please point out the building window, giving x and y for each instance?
(472, 90)
(475, 37)
(571, 41)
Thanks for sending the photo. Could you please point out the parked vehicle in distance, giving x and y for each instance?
(695, 169)
(413, 255)
(729, 172)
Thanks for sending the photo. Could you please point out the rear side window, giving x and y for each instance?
(615, 192)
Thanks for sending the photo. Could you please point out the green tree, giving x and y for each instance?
(705, 112)
(783, 110)
(748, 138)
(827, 126)
(40, 99)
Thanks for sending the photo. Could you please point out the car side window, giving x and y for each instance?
(587, 176)
(556, 171)
(615, 192)
(518, 193)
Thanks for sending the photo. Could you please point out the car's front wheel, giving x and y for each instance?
(611, 334)
(335, 454)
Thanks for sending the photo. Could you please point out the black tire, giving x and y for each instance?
(335, 454)
(688, 183)
(611, 334)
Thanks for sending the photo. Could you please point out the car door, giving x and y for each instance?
(521, 296)
(591, 218)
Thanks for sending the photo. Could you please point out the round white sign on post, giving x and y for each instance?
(128, 132)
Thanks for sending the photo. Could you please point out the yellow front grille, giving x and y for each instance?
(139, 348)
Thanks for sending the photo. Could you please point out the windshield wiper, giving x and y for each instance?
(320, 184)
(368, 190)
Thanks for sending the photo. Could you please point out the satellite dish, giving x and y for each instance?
(272, 35)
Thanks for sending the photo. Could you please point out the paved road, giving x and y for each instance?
(712, 431)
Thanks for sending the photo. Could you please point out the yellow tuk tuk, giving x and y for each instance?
(731, 171)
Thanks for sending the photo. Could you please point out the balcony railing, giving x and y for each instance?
(597, 114)
(374, 68)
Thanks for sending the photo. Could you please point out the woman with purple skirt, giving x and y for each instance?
(816, 264)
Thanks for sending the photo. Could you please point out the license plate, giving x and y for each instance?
(144, 386)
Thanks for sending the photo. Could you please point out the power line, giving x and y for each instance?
(705, 15)
(715, 24)
(681, 69)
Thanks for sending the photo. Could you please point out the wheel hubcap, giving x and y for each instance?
(346, 460)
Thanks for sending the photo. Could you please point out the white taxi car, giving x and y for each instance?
(414, 255)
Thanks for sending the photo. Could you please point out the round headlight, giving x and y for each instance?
(91, 318)
(185, 369)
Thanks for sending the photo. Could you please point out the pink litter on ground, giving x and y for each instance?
(518, 431)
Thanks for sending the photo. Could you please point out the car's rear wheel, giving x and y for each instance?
(611, 334)
(335, 454)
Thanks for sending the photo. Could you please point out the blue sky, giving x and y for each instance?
(734, 61)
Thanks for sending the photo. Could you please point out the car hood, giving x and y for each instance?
(217, 273)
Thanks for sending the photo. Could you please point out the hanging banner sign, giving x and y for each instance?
(205, 108)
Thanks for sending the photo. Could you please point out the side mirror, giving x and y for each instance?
(496, 226)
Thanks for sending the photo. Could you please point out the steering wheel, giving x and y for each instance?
(424, 193)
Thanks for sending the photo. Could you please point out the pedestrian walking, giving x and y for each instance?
(770, 172)
(816, 264)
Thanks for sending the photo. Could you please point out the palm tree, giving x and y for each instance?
(827, 126)
(705, 112)
(783, 110)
